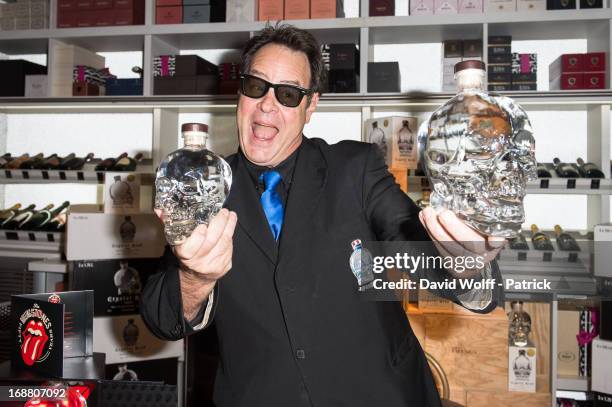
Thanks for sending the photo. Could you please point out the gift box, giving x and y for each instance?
(82, 73)
(594, 80)
(594, 62)
(522, 86)
(530, 5)
(591, 4)
(500, 40)
(343, 81)
(192, 65)
(228, 71)
(472, 49)
(421, 7)
(383, 77)
(602, 366)
(500, 87)
(164, 65)
(344, 57)
(382, 7)
(499, 50)
(103, 4)
(560, 4)
(159, 3)
(124, 87)
(229, 87)
(605, 327)
(500, 59)
(12, 81)
(568, 81)
(85, 89)
(36, 86)
(499, 77)
(240, 10)
(326, 9)
(470, 6)
(196, 14)
(270, 10)
(453, 49)
(297, 9)
(499, 6)
(499, 68)
(524, 63)
(169, 15)
(445, 6)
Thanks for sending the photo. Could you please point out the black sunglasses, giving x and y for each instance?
(287, 95)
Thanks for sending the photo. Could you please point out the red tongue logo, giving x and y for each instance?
(34, 340)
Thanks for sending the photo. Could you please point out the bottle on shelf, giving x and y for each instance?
(13, 221)
(65, 160)
(520, 325)
(75, 163)
(588, 170)
(109, 163)
(48, 163)
(32, 161)
(5, 159)
(424, 201)
(543, 171)
(565, 240)
(16, 162)
(127, 163)
(540, 240)
(519, 242)
(42, 217)
(8, 213)
(57, 223)
(565, 170)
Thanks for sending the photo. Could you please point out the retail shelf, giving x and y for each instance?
(24, 247)
(49, 266)
(559, 186)
(573, 383)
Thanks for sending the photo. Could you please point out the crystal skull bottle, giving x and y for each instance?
(192, 184)
(479, 152)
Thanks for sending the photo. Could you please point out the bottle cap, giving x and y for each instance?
(470, 64)
(198, 127)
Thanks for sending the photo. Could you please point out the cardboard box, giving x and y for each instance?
(445, 6)
(396, 138)
(568, 325)
(240, 10)
(601, 373)
(326, 8)
(169, 15)
(94, 235)
(297, 9)
(196, 14)
(470, 6)
(453, 49)
(270, 10)
(421, 7)
(383, 77)
(382, 8)
(594, 62)
(499, 6)
(12, 81)
(127, 339)
(191, 65)
(344, 57)
(560, 4)
(36, 86)
(594, 80)
(530, 5)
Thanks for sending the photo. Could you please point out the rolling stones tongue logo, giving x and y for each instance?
(35, 336)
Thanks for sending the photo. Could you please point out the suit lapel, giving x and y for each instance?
(309, 179)
(243, 200)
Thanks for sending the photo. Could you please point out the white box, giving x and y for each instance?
(445, 6)
(499, 6)
(94, 235)
(66, 57)
(470, 6)
(36, 86)
(522, 368)
(421, 7)
(396, 138)
(601, 366)
(568, 353)
(530, 5)
(602, 235)
(127, 339)
(122, 193)
(240, 10)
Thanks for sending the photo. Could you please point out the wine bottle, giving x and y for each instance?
(47, 163)
(56, 218)
(565, 240)
(42, 217)
(16, 162)
(65, 160)
(5, 159)
(24, 218)
(565, 170)
(540, 240)
(76, 163)
(17, 218)
(519, 242)
(32, 161)
(127, 163)
(589, 170)
(543, 171)
(8, 213)
(109, 163)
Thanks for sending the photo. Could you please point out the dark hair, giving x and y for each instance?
(293, 38)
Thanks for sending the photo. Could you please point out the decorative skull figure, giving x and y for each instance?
(479, 152)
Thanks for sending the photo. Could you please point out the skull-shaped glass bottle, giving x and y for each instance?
(192, 184)
(520, 325)
(479, 152)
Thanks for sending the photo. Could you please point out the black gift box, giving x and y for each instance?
(605, 329)
(123, 87)
(217, 11)
(499, 50)
(500, 87)
(12, 81)
(524, 77)
(591, 3)
(383, 77)
(453, 49)
(343, 81)
(500, 59)
(560, 4)
(499, 77)
(499, 68)
(344, 57)
(186, 85)
(500, 40)
(192, 65)
(524, 86)
(472, 48)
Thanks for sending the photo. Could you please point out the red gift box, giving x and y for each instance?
(572, 81)
(121, 4)
(104, 18)
(594, 80)
(84, 4)
(595, 62)
(66, 5)
(169, 15)
(159, 3)
(85, 18)
(85, 89)
(66, 19)
(103, 4)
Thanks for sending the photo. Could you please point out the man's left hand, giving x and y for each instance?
(454, 238)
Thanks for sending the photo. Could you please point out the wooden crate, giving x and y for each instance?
(476, 398)
(401, 178)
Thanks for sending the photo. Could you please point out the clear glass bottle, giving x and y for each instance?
(479, 152)
(361, 263)
(192, 184)
(377, 136)
(520, 325)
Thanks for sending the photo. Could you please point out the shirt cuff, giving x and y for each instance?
(207, 311)
(478, 299)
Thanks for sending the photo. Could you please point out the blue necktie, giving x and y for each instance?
(271, 202)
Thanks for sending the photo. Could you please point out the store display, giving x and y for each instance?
(21, 216)
(270, 10)
(40, 219)
(588, 170)
(565, 170)
(465, 186)
(540, 240)
(297, 9)
(192, 184)
(100, 13)
(383, 77)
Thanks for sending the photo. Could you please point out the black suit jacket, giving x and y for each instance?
(292, 328)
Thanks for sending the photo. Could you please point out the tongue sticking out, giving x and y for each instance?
(264, 132)
(34, 340)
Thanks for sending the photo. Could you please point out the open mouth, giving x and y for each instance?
(34, 340)
(263, 131)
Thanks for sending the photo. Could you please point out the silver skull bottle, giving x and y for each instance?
(479, 152)
(191, 185)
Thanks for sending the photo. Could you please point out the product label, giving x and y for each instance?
(522, 369)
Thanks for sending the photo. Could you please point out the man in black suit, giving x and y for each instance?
(273, 268)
